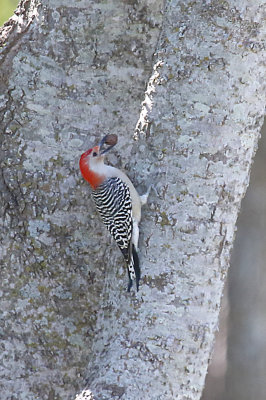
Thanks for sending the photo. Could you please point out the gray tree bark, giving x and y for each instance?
(71, 72)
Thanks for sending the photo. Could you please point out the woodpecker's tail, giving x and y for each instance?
(133, 269)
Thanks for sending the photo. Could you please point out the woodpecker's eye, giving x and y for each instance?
(94, 154)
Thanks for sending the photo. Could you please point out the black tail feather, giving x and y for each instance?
(136, 266)
(130, 282)
(136, 270)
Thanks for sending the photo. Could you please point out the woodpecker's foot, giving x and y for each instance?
(144, 197)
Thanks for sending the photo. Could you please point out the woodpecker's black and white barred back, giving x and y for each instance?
(113, 202)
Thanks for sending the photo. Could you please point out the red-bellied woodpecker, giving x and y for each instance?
(117, 202)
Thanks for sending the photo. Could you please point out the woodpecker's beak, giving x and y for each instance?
(102, 143)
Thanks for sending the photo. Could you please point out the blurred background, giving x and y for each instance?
(7, 8)
(238, 367)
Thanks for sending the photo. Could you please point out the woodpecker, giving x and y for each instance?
(117, 202)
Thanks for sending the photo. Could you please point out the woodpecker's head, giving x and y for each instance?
(91, 162)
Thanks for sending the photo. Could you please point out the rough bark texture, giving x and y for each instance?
(78, 71)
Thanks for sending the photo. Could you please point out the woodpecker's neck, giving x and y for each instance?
(92, 170)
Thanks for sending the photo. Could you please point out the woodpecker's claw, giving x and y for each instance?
(144, 197)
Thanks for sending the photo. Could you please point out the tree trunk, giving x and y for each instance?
(70, 73)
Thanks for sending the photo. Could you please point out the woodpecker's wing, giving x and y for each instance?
(113, 202)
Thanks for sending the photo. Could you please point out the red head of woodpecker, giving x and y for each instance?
(92, 165)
